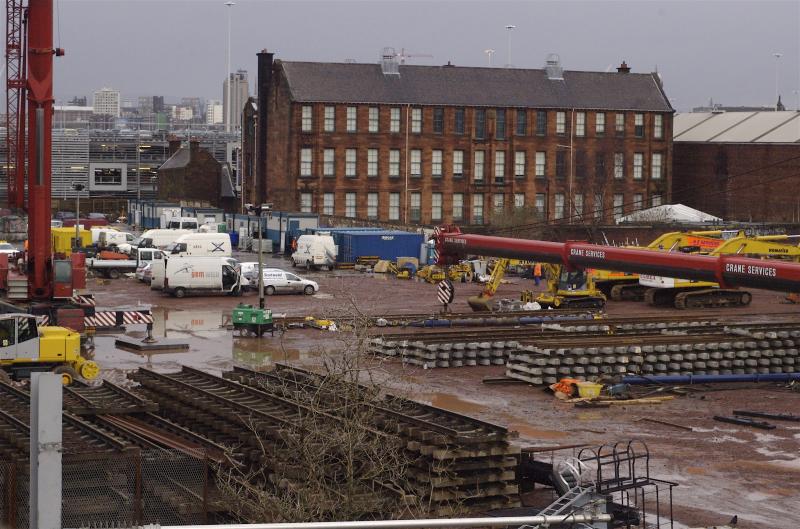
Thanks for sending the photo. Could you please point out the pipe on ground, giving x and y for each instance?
(706, 379)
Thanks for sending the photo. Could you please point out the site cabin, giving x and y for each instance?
(199, 275)
(114, 268)
(315, 251)
(158, 238)
(201, 245)
(64, 240)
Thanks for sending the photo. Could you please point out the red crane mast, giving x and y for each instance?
(16, 21)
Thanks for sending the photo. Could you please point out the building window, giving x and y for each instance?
(619, 124)
(372, 206)
(500, 124)
(394, 163)
(394, 206)
(305, 202)
(415, 206)
(306, 122)
(351, 119)
(655, 200)
(438, 120)
(350, 163)
(577, 206)
(619, 165)
(328, 162)
(458, 207)
(499, 203)
(580, 123)
(655, 166)
(541, 161)
(638, 201)
(558, 212)
(394, 120)
(416, 120)
(350, 205)
(561, 164)
(458, 164)
(305, 161)
(416, 163)
(600, 166)
(598, 206)
(436, 207)
(519, 200)
(522, 122)
(540, 205)
(600, 124)
(328, 204)
(477, 208)
(561, 123)
(499, 167)
(658, 126)
(372, 162)
(519, 164)
(638, 165)
(373, 119)
(330, 119)
(478, 170)
(458, 121)
(436, 163)
(619, 201)
(580, 164)
(541, 122)
(480, 123)
(638, 125)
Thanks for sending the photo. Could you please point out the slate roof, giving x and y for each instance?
(468, 86)
(737, 127)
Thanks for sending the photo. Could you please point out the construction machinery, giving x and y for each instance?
(25, 348)
(625, 286)
(693, 293)
(728, 271)
(569, 288)
(483, 302)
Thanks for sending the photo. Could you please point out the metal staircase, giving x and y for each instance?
(573, 482)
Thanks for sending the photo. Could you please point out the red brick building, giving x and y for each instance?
(741, 166)
(429, 144)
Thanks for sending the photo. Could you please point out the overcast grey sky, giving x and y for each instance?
(176, 48)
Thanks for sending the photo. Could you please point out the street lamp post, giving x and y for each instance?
(509, 28)
(229, 5)
(489, 53)
(78, 188)
(777, 60)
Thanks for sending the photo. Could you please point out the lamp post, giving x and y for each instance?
(509, 29)
(777, 60)
(229, 5)
(258, 210)
(78, 188)
(489, 54)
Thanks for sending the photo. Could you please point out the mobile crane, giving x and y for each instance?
(728, 271)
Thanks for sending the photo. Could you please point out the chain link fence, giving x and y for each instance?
(119, 490)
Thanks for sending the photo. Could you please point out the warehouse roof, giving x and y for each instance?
(468, 86)
(669, 213)
(737, 127)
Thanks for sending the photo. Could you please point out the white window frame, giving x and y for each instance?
(306, 121)
(415, 207)
(656, 166)
(480, 160)
(372, 206)
(519, 200)
(477, 209)
(329, 124)
(498, 203)
(372, 163)
(305, 202)
(436, 207)
(541, 163)
(619, 123)
(580, 124)
(540, 204)
(394, 163)
(416, 120)
(499, 166)
(598, 206)
(350, 205)
(561, 123)
(519, 164)
(655, 200)
(558, 206)
(600, 123)
(577, 205)
(658, 127)
(437, 158)
(638, 121)
(329, 162)
(619, 165)
(458, 163)
(351, 163)
(374, 119)
(394, 119)
(619, 206)
(638, 166)
(306, 161)
(352, 119)
(415, 164)
(638, 201)
(458, 206)
(394, 206)
(328, 204)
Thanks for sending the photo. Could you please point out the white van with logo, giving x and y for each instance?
(182, 223)
(157, 238)
(201, 244)
(315, 251)
(277, 281)
(199, 275)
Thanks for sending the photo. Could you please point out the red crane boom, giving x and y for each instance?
(727, 270)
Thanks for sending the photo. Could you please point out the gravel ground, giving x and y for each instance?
(721, 469)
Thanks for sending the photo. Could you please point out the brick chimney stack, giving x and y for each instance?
(624, 68)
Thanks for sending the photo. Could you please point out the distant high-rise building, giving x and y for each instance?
(214, 112)
(239, 91)
(197, 105)
(77, 101)
(106, 102)
(182, 113)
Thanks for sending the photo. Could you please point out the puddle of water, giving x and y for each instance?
(530, 432)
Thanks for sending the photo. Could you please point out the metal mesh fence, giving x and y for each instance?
(118, 490)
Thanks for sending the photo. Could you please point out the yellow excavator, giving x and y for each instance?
(483, 302)
(623, 286)
(569, 289)
(25, 348)
(684, 293)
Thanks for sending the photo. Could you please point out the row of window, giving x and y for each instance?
(459, 210)
(479, 164)
(457, 121)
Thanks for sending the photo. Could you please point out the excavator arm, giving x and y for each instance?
(482, 303)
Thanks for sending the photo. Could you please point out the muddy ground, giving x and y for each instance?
(721, 470)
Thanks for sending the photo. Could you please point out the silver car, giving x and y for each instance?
(277, 281)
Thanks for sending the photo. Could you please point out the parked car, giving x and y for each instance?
(9, 249)
(97, 216)
(64, 215)
(277, 281)
(144, 273)
(249, 271)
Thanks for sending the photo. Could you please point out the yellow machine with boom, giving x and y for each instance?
(483, 302)
(25, 348)
(569, 289)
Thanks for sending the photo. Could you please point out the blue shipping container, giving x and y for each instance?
(383, 244)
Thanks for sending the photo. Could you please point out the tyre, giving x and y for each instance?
(67, 374)
(113, 273)
(309, 290)
(270, 290)
(180, 292)
(294, 264)
(308, 265)
(745, 298)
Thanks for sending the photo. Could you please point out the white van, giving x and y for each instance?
(157, 238)
(201, 244)
(111, 238)
(197, 275)
(315, 251)
(277, 281)
(182, 223)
